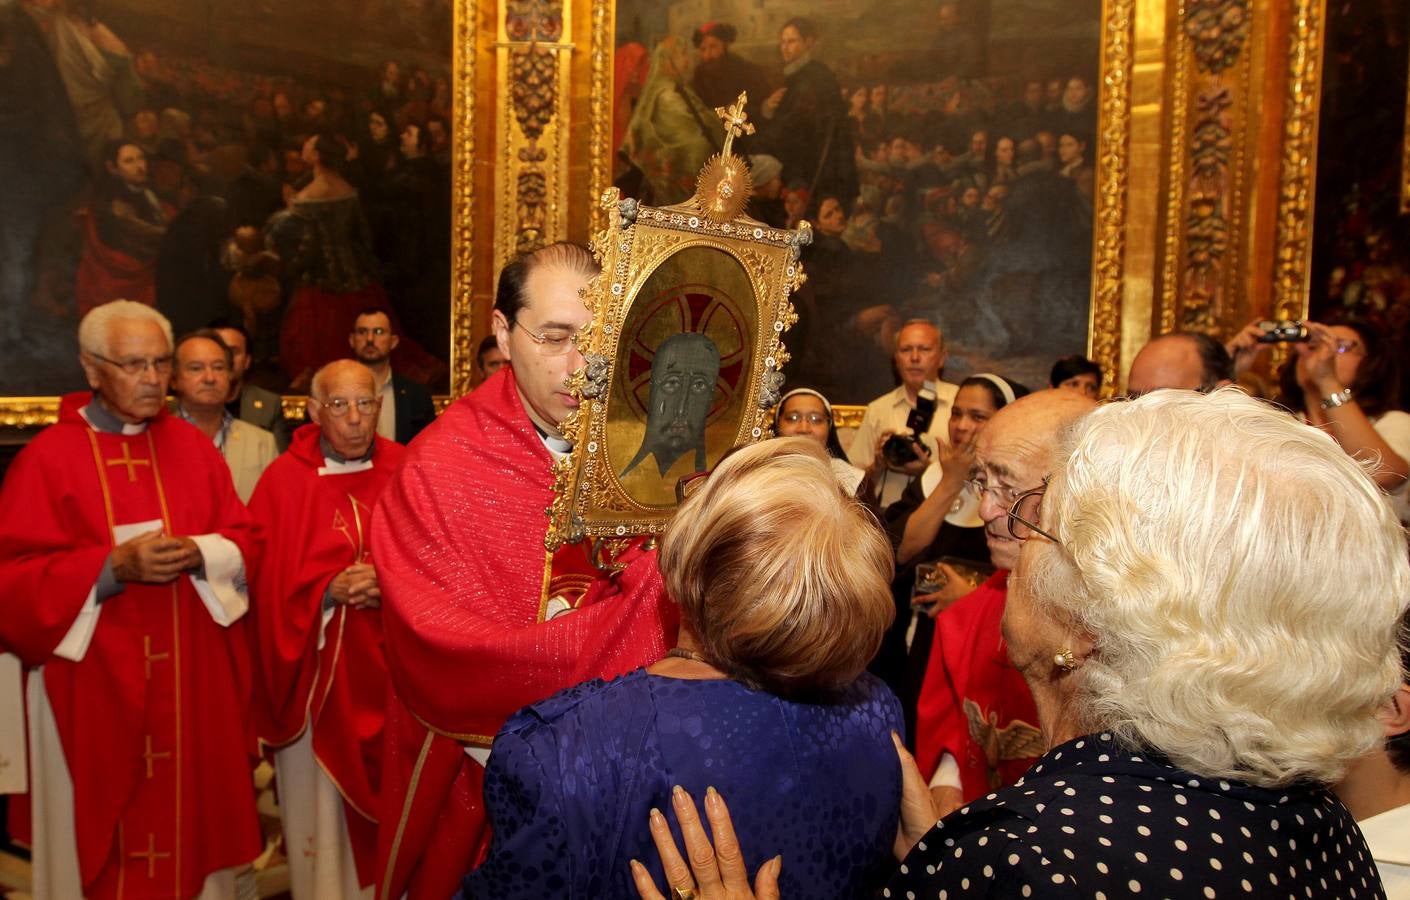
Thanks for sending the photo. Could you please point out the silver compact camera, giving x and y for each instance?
(1283, 331)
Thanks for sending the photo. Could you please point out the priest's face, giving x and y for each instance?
(352, 433)
(139, 345)
(539, 342)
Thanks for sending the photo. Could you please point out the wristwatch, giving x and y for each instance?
(1337, 398)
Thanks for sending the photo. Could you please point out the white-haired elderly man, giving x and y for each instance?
(122, 569)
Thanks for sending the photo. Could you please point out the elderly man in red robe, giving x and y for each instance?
(122, 569)
(976, 726)
(320, 665)
(479, 620)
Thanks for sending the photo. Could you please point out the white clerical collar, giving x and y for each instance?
(334, 463)
(556, 445)
(101, 419)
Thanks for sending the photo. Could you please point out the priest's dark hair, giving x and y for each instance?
(509, 296)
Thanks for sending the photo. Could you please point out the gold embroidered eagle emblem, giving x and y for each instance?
(1016, 740)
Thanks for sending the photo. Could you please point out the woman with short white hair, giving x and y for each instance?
(1205, 609)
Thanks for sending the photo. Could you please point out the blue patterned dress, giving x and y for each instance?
(572, 780)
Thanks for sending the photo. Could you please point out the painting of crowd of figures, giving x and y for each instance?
(943, 152)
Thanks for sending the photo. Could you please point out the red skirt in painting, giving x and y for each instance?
(105, 274)
(316, 327)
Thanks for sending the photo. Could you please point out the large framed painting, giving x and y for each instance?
(961, 161)
(279, 165)
(1361, 218)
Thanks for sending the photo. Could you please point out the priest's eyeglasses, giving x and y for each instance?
(338, 407)
(137, 365)
(551, 343)
(1023, 507)
(1024, 513)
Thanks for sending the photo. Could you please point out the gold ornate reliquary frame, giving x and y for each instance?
(632, 309)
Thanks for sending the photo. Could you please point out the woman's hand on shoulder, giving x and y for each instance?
(713, 872)
(918, 812)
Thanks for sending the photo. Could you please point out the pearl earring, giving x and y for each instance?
(1065, 659)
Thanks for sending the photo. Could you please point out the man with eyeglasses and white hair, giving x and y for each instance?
(479, 622)
(976, 726)
(123, 549)
(321, 673)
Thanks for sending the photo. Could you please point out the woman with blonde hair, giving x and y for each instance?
(782, 582)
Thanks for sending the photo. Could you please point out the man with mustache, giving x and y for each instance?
(123, 551)
(976, 727)
(682, 389)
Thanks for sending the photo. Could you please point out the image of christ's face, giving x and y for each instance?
(683, 376)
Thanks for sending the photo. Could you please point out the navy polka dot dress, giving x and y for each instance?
(1092, 819)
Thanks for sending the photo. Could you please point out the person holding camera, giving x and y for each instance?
(903, 429)
(1345, 379)
(941, 551)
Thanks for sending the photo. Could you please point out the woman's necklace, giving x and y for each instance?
(683, 653)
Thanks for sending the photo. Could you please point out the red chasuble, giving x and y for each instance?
(974, 705)
(458, 544)
(153, 719)
(312, 526)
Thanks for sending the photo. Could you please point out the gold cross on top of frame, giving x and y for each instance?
(736, 121)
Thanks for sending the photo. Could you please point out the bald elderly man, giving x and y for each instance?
(321, 672)
(1186, 360)
(976, 725)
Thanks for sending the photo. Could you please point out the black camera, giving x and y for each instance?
(897, 450)
(1284, 331)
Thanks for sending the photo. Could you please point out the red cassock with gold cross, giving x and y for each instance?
(148, 690)
(317, 668)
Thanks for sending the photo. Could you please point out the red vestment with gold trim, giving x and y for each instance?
(974, 705)
(311, 528)
(458, 541)
(154, 718)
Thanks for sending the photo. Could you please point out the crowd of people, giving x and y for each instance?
(284, 204)
(998, 640)
(961, 199)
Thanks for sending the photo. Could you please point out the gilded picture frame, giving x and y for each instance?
(1405, 154)
(684, 303)
(25, 412)
(1110, 292)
